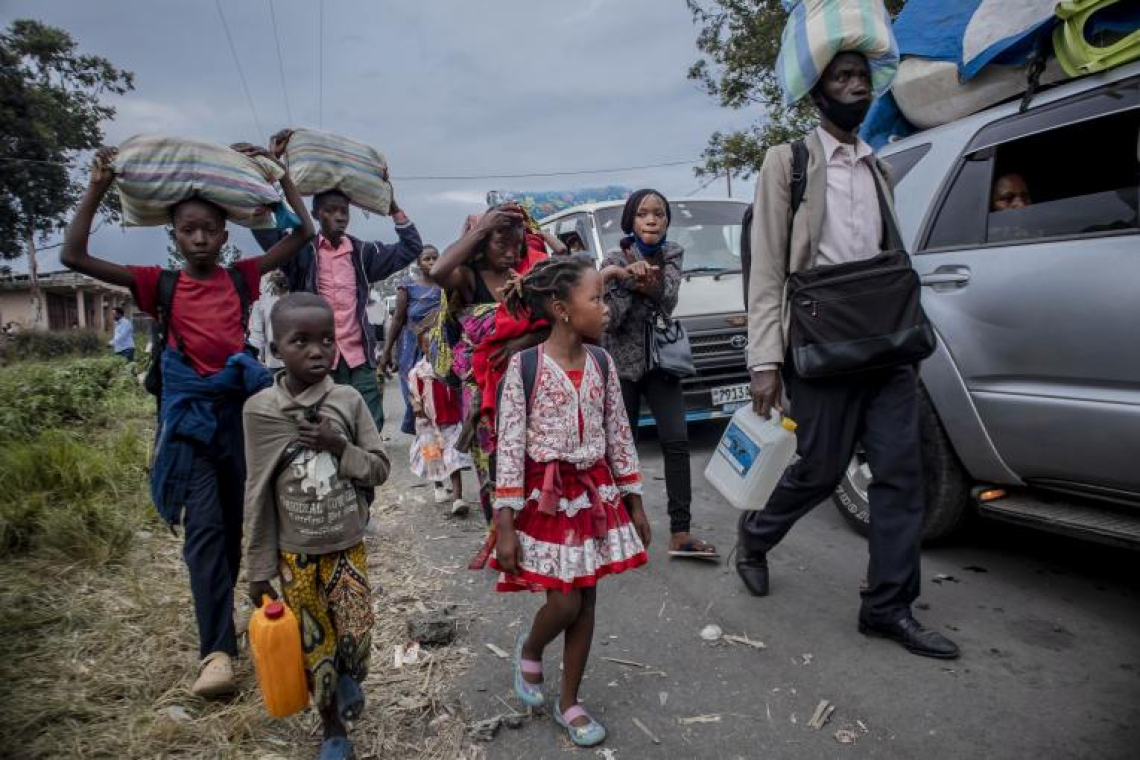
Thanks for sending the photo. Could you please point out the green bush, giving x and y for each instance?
(77, 496)
(73, 450)
(34, 345)
(38, 396)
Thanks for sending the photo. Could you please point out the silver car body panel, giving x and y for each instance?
(1062, 407)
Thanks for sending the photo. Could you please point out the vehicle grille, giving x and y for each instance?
(717, 349)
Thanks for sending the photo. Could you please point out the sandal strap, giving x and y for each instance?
(531, 667)
(573, 714)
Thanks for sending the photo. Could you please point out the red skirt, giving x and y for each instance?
(587, 536)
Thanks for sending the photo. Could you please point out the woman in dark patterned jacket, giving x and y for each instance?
(642, 278)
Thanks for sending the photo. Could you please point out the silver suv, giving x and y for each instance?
(1031, 404)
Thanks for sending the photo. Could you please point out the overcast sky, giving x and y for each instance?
(441, 87)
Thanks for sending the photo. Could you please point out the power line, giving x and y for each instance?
(321, 65)
(524, 175)
(280, 63)
(241, 74)
(703, 185)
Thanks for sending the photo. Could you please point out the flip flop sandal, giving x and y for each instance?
(530, 694)
(589, 735)
(349, 698)
(337, 748)
(695, 548)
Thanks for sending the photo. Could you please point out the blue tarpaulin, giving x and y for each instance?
(969, 33)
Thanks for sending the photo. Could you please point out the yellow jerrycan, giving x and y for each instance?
(275, 639)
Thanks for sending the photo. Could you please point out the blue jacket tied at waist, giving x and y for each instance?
(191, 410)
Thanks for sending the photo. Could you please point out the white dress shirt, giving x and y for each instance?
(852, 224)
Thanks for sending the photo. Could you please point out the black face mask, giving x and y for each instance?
(846, 116)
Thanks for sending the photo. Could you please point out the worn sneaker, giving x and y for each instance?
(216, 677)
(441, 495)
(459, 508)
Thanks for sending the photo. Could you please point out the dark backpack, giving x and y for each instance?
(799, 185)
(528, 366)
(164, 302)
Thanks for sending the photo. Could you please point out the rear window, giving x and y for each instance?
(904, 160)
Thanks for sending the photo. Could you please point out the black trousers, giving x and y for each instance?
(667, 402)
(880, 409)
(212, 521)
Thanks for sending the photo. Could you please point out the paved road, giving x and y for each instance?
(1049, 628)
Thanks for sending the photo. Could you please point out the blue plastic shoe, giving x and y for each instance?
(349, 698)
(530, 694)
(589, 735)
(337, 748)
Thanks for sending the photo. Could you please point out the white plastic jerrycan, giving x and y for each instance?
(751, 456)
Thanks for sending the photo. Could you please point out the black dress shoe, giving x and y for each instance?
(753, 570)
(914, 636)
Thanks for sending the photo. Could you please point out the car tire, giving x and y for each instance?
(947, 484)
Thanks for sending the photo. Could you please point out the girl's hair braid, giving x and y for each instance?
(548, 279)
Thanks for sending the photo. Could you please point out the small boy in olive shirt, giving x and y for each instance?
(314, 454)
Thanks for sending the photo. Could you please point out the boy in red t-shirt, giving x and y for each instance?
(206, 378)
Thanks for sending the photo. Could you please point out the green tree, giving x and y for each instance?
(739, 41)
(50, 111)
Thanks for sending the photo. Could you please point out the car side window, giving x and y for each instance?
(1077, 180)
(961, 218)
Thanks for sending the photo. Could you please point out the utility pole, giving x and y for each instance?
(728, 179)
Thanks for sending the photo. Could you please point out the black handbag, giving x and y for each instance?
(859, 316)
(667, 346)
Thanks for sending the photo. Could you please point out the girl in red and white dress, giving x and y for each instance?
(568, 491)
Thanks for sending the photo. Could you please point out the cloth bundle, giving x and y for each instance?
(154, 172)
(818, 30)
(319, 161)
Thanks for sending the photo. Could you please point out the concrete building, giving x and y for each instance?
(70, 300)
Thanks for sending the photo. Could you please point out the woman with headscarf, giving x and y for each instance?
(642, 279)
(473, 272)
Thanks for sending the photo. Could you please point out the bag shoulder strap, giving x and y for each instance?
(601, 357)
(892, 239)
(799, 174)
(242, 289)
(528, 367)
(164, 305)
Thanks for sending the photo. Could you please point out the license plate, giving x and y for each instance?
(730, 394)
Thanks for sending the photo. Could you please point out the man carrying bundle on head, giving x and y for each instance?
(341, 269)
(827, 265)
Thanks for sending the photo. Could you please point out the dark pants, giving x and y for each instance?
(363, 379)
(833, 415)
(212, 549)
(127, 353)
(667, 403)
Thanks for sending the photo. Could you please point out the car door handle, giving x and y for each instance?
(953, 276)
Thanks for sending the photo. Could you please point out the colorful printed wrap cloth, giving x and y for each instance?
(154, 172)
(818, 30)
(320, 161)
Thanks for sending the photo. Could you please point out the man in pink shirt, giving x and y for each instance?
(341, 269)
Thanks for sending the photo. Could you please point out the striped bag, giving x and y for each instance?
(154, 172)
(817, 30)
(319, 161)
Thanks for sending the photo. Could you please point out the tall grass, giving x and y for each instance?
(73, 450)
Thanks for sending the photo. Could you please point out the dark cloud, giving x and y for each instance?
(446, 87)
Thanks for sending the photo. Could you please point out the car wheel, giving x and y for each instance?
(947, 485)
